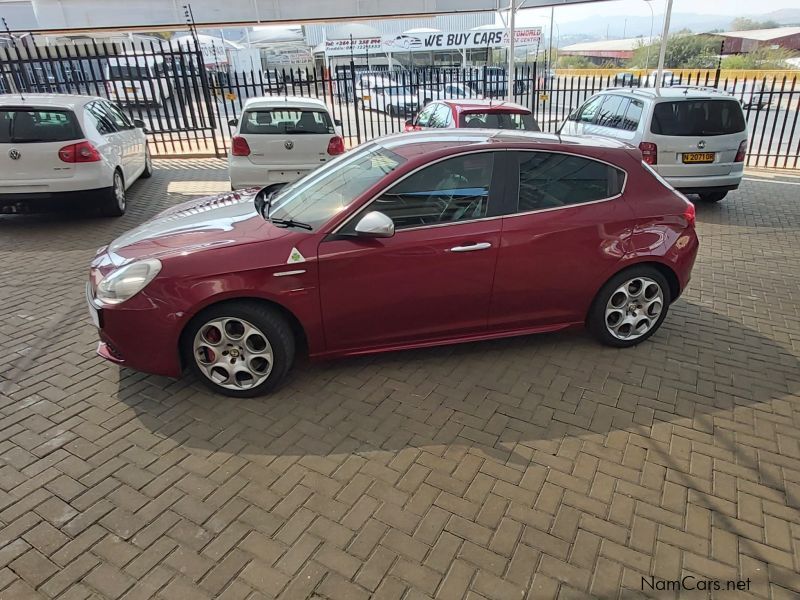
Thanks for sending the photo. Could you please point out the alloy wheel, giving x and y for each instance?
(233, 353)
(633, 308)
(119, 191)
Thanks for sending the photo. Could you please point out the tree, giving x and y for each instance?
(684, 50)
(745, 24)
(574, 62)
(760, 58)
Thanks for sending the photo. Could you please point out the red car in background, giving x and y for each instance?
(409, 240)
(473, 113)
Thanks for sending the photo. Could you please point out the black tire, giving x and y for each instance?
(390, 110)
(712, 196)
(596, 320)
(272, 324)
(148, 165)
(114, 200)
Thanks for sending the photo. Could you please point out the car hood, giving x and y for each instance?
(200, 224)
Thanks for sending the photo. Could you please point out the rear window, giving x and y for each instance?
(277, 122)
(19, 126)
(524, 121)
(698, 118)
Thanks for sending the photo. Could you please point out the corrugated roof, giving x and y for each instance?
(762, 34)
(608, 45)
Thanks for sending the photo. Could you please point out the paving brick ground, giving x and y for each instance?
(536, 467)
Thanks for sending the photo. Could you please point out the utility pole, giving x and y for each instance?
(663, 50)
(511, 67)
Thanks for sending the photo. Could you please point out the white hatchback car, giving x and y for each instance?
(280, 139)
(695, 138)
(66, 149)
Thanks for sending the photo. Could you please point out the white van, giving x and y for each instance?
(137, 80)
(280, 139)
(385, 95)
(695, 138)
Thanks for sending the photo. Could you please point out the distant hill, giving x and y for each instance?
(592, 28)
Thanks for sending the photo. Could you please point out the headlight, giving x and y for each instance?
(127, 281)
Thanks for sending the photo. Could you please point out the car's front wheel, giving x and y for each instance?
(148, 165)
(630, 307)
(239, 348)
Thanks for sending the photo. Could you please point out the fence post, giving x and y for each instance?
(355, 107)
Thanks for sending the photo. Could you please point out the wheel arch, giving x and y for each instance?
(669, 274)
(296, 326)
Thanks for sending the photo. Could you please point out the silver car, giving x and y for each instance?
(695, 138)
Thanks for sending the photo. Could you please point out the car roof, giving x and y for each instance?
(64, 101)
(413, 144)
(489, 106)
(284, 102)
(673, 92)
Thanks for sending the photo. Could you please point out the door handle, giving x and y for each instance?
(471, 247)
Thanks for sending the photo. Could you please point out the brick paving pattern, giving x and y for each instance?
(535, 467)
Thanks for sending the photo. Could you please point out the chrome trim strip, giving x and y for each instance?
(285, 273)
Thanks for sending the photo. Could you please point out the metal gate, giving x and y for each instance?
(165, 85)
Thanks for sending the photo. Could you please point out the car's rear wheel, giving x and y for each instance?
(712, 196)
(148, 165)
(391, 111)
(114, 201)
(630, 307)
(240, 348)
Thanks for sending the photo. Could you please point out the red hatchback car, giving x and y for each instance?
(406, 241)
(473, 114)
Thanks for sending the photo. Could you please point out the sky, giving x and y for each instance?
(618, 8)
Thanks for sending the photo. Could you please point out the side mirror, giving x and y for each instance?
(375, 225)
(337, 122)
(264, 193)
(233, 122)
(139, 124)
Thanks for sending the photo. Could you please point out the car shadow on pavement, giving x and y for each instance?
(513, 401)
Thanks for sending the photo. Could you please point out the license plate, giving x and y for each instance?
(93, 313)
(698, 157)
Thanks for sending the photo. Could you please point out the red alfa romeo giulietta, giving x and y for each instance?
(410, 240)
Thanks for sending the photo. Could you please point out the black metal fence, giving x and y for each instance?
(187, 104)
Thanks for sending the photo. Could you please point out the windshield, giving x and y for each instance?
(281, 121)
(319, 196)
(698, 118)
(19, 126)
(524, 121)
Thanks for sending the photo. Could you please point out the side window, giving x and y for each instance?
(424, 117)
(589, 110)
(551, 180)
(612, 111)
(630, 121)
(456, 189)
(119, 118)
(101, 118)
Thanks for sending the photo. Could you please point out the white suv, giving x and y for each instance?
(695, 138)
(279, 140)
(67, 149)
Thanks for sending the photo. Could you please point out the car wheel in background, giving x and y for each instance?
(712, 196)
(391, 111)
(114, 202)
(148, 165)
(630, 307)
(240, 348)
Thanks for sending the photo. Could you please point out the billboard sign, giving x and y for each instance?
(449, 40)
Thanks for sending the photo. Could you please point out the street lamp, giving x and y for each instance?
(649, 41)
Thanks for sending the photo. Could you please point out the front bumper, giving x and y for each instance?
(140, 334)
